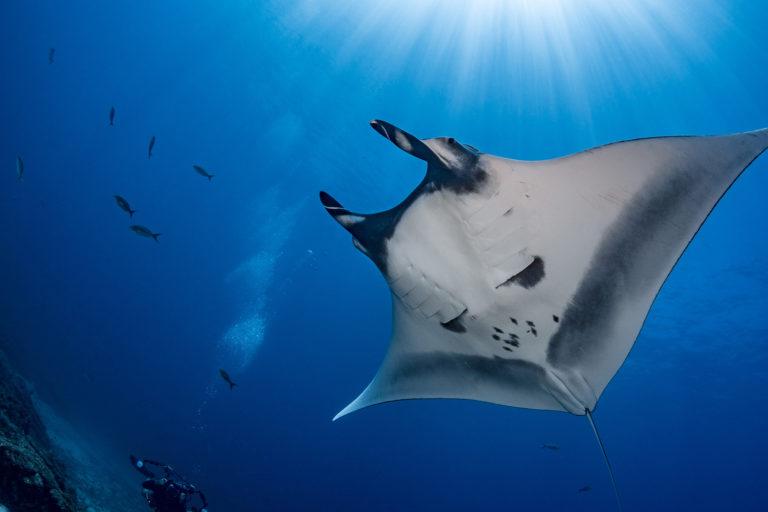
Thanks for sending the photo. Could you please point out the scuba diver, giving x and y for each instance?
(170, 493)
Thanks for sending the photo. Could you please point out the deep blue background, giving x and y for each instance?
(124, 336)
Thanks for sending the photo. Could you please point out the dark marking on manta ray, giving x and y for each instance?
(514, 321)
(514, 336)
(533, 331)
(496, 337)
(507, 349)
(614, 269)
(556, 318)
(452, 370)
(530, 324)
(514, 343)
(498, 330)
(455, 324)
(466, 179)
(529, 277)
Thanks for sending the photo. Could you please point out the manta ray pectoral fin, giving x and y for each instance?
(683, 178)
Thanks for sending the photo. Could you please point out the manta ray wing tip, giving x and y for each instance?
(348, 409)
(361, 402)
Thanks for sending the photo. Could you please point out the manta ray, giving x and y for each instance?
(526, 283)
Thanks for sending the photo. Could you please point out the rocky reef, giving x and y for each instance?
(32, 478)
(49, 465)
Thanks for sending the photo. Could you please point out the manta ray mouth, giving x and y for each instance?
(404, 140)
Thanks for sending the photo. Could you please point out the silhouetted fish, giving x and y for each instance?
(19, 168)
(144, 231)
(50, 55)
(225, 376)
(112, 117)
(202, 172)
(151, 145)
(123, 204)
(550, 446)
(585, 489)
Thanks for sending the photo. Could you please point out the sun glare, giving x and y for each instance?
(470, 45)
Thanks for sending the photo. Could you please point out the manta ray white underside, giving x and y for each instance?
(526, 283)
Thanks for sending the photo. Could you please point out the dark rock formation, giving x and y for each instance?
(32, 479)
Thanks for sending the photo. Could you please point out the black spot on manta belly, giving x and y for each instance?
(498, 330)
(529, 277)
(455, 324)
(507, 349)
(514, 321)
(556, 318)
(496, 337)
(530, 324)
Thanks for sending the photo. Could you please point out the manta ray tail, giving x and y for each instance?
(605, 456)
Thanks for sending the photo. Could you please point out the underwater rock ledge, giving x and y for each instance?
(32, 479)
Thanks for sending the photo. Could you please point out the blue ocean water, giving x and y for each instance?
(123, 336)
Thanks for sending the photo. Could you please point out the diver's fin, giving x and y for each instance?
(140, 467)
(605, 456)
(130, 213)
(155, 235)
(231, 385)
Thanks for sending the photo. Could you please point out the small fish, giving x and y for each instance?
(144, 231)
(550, 446)
(151, 145)
(50, 55)
(112, 118)
(585, 489)
(225, 376)
(123, 204)
(202, 172)
(19, 168)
